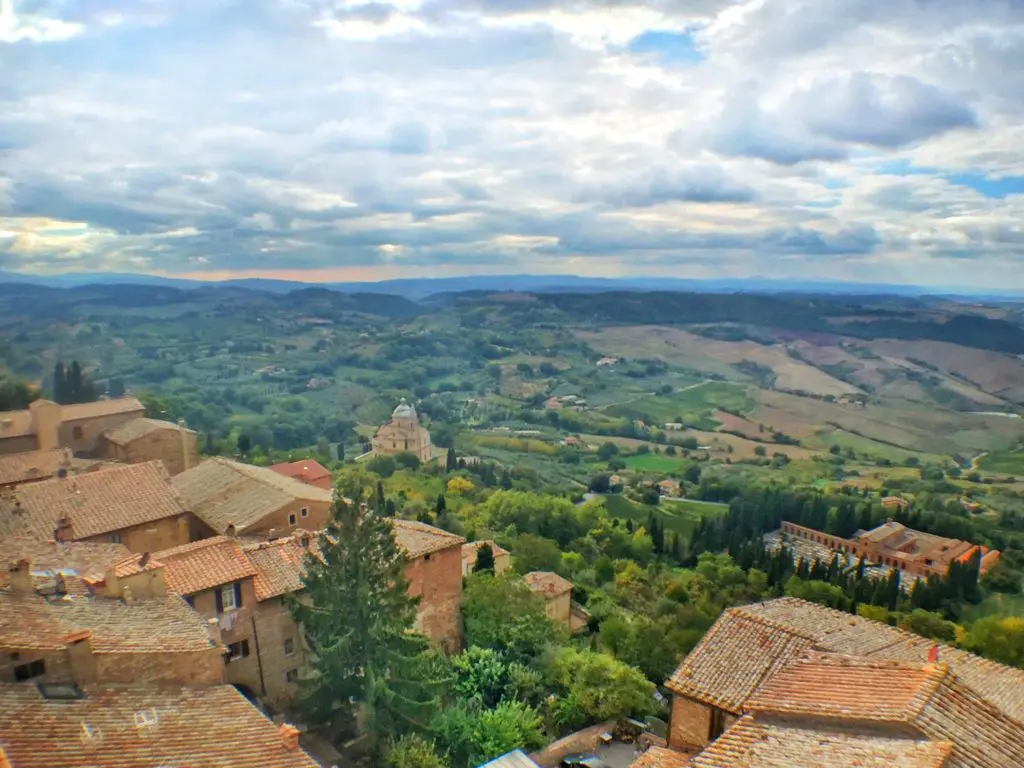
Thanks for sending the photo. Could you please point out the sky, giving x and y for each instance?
(847, 140)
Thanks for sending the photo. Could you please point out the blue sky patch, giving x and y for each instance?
(669, 47)
(988, 186)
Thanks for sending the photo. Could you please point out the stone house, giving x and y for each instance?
(125, 632)
(45, 424)
(814, 683)
(235, 498)
(502, 558)
(72, 726)
(557, 594)
(60, 567)
(134, 505)
(141, 440)
(309, 471)
(33, 466)
(403, 434)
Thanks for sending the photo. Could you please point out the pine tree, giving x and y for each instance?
(440, 506)
(379, 500)
(451, 462)
(358, 617)
(484, 559)
(61, 394)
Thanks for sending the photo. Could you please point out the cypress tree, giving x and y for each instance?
(484, 559)
(451, 462)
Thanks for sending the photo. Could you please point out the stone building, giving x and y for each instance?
(90, 725)
(32, 466)
(141, 440)
(893, 545)
(470, 551)
(403, 434)
(309, 471)
(236, 498)
(557, 594)
(124, 632)
(80, 427)
(786, 682)
(134, 505)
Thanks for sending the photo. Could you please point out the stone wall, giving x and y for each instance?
(437, 579)
(281, 650)
(316, 516)
(84, 435)
(152, 537)
(58, 666)
(559, 609)
(690, 723)
(176, 448)
(199, 668)
(17, 444)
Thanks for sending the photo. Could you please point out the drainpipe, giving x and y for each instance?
(259, 656)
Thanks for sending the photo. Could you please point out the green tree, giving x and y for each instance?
(607, 451)
(503, 614)
(484, 559)
(61, 385)
(413, 751)
(16, 395)
(536, 553)
(473, 735)
(602, 686)
(451, 462)
(244, 444)
(358, 616)
(1000, 638)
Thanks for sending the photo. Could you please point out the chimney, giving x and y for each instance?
(213, 630)
(229, 531)
(63, 531)
(271, 534)
(20, 575)
(933, 654)
(126, 595)
(289, 736)
(83, 663)
(143, 560)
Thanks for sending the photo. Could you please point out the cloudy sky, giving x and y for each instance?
(871, 140)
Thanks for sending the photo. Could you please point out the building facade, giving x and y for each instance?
(403, 434)
(557, 594)
(142, 440)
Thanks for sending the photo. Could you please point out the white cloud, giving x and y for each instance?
(798, 137)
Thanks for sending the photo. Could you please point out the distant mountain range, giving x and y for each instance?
(416, 289)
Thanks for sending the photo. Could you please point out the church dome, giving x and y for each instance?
(404, 411)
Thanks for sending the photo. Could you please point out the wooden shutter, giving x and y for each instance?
(220, 600)
(238, 594)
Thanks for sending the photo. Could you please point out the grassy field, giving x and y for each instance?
(677, 516)
(1005, 462)
(694, 404)
(653, 462)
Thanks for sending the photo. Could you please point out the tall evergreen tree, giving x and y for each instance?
(61, 391)
(451, 462)
(440, 506)
(358, 616)
(484, 559)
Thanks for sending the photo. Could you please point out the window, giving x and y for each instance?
(191, 600)
(115, 538)
(289, 646)
(238, 650)
(76, 433)
(35, 668)
(304, 512)
(291, 676)
(292, 519)
(229, 597)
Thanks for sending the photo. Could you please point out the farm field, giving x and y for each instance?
(694, 404)
(678, 517)
(1004, 462)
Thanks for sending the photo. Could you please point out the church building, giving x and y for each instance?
(403, 434)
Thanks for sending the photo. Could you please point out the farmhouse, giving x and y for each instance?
(894, 545)
(403, 434)
(557, 594)
(786, 682)
(470, 550)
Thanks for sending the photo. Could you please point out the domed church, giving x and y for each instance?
(403, 434)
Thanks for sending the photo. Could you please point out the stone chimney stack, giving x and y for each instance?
(20, 575)
(83, 663)
(213, 629)
(63, 532)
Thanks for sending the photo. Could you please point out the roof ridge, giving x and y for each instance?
(937, 673)
(775, 624)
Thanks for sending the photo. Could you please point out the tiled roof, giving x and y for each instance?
(221, 491)
(756, 743)
(839, 632)
(73, 561)
(79, 411)
(306, 470)
(734, 657)
(135, 564)
(32, 465)
(279, 565)
(851, 688)
(95, 503)
(204, 564)
(16, 424)
(660, 757)
(136, 428)
(162, 625)
(547, 583)
(213, 727)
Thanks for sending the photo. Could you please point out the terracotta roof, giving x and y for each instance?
(734, 657)
(79, 411)
(279, 565)
(136, 428)
(547, 582)
(754, 743)
(204, 564)
(163, 625)
(73, 561)
(16, 424)
(135, 564)
(471, 549)
(221, 491)
(839, 632)
(304, 469)
(660, 757)
(95, 503)
(32, 465)
(213, 727)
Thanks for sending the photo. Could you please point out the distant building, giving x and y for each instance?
(557, 594)
(308, 471)
(502, 558)
(80, 427)
(674, 426)
(895, 502)
(669, 487)
(403, 434)
(141, 440)
(894, 545)
(607, 361)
